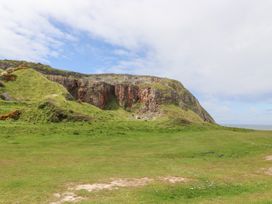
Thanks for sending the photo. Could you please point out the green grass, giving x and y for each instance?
(33, 86)
(38, 158)
(175, 115)
(223, 165)
(8, 106)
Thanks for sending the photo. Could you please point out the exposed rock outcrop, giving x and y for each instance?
(128, 90)
(146, 93)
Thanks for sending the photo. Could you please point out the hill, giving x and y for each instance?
(42, 93)
(120, 139)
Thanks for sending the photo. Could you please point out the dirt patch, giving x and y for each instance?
(173, 179)
(268, 158)
(268, 171)
(67, 197)
(114, 184)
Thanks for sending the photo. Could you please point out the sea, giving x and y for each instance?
(250, 126)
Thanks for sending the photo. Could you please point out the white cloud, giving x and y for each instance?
(219, 48)
(26, 33)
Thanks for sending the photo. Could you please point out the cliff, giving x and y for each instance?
(143, 95)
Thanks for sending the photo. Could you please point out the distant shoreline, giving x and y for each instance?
(250, 126)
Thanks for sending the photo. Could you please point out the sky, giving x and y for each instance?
(220, 50)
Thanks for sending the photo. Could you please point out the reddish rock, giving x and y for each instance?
(102, 90)
(126, 95)
(12, 115)
(148, 98)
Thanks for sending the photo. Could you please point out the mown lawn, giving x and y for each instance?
(222, 165)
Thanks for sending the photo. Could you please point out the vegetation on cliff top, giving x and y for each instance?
(42, 100)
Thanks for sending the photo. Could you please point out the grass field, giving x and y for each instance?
(221, 165)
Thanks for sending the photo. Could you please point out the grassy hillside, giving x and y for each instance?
(31, 91)
(41, 100)
(164, 90)
(33, 86)
(221, 165)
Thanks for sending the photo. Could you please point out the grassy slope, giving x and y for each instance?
(176, 115)
(32, 88)
(225, 165)
(8, 106)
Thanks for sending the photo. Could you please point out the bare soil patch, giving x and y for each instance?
(173, 179)
(268, 158)
(114, 184)
(268, 171)
(67, 197)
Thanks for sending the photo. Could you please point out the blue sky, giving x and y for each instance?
(220, 50)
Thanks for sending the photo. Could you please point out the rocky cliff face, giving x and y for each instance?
(127, 91)
(146, 93)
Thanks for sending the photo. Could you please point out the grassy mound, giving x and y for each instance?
(33, 86)
(41, 100)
